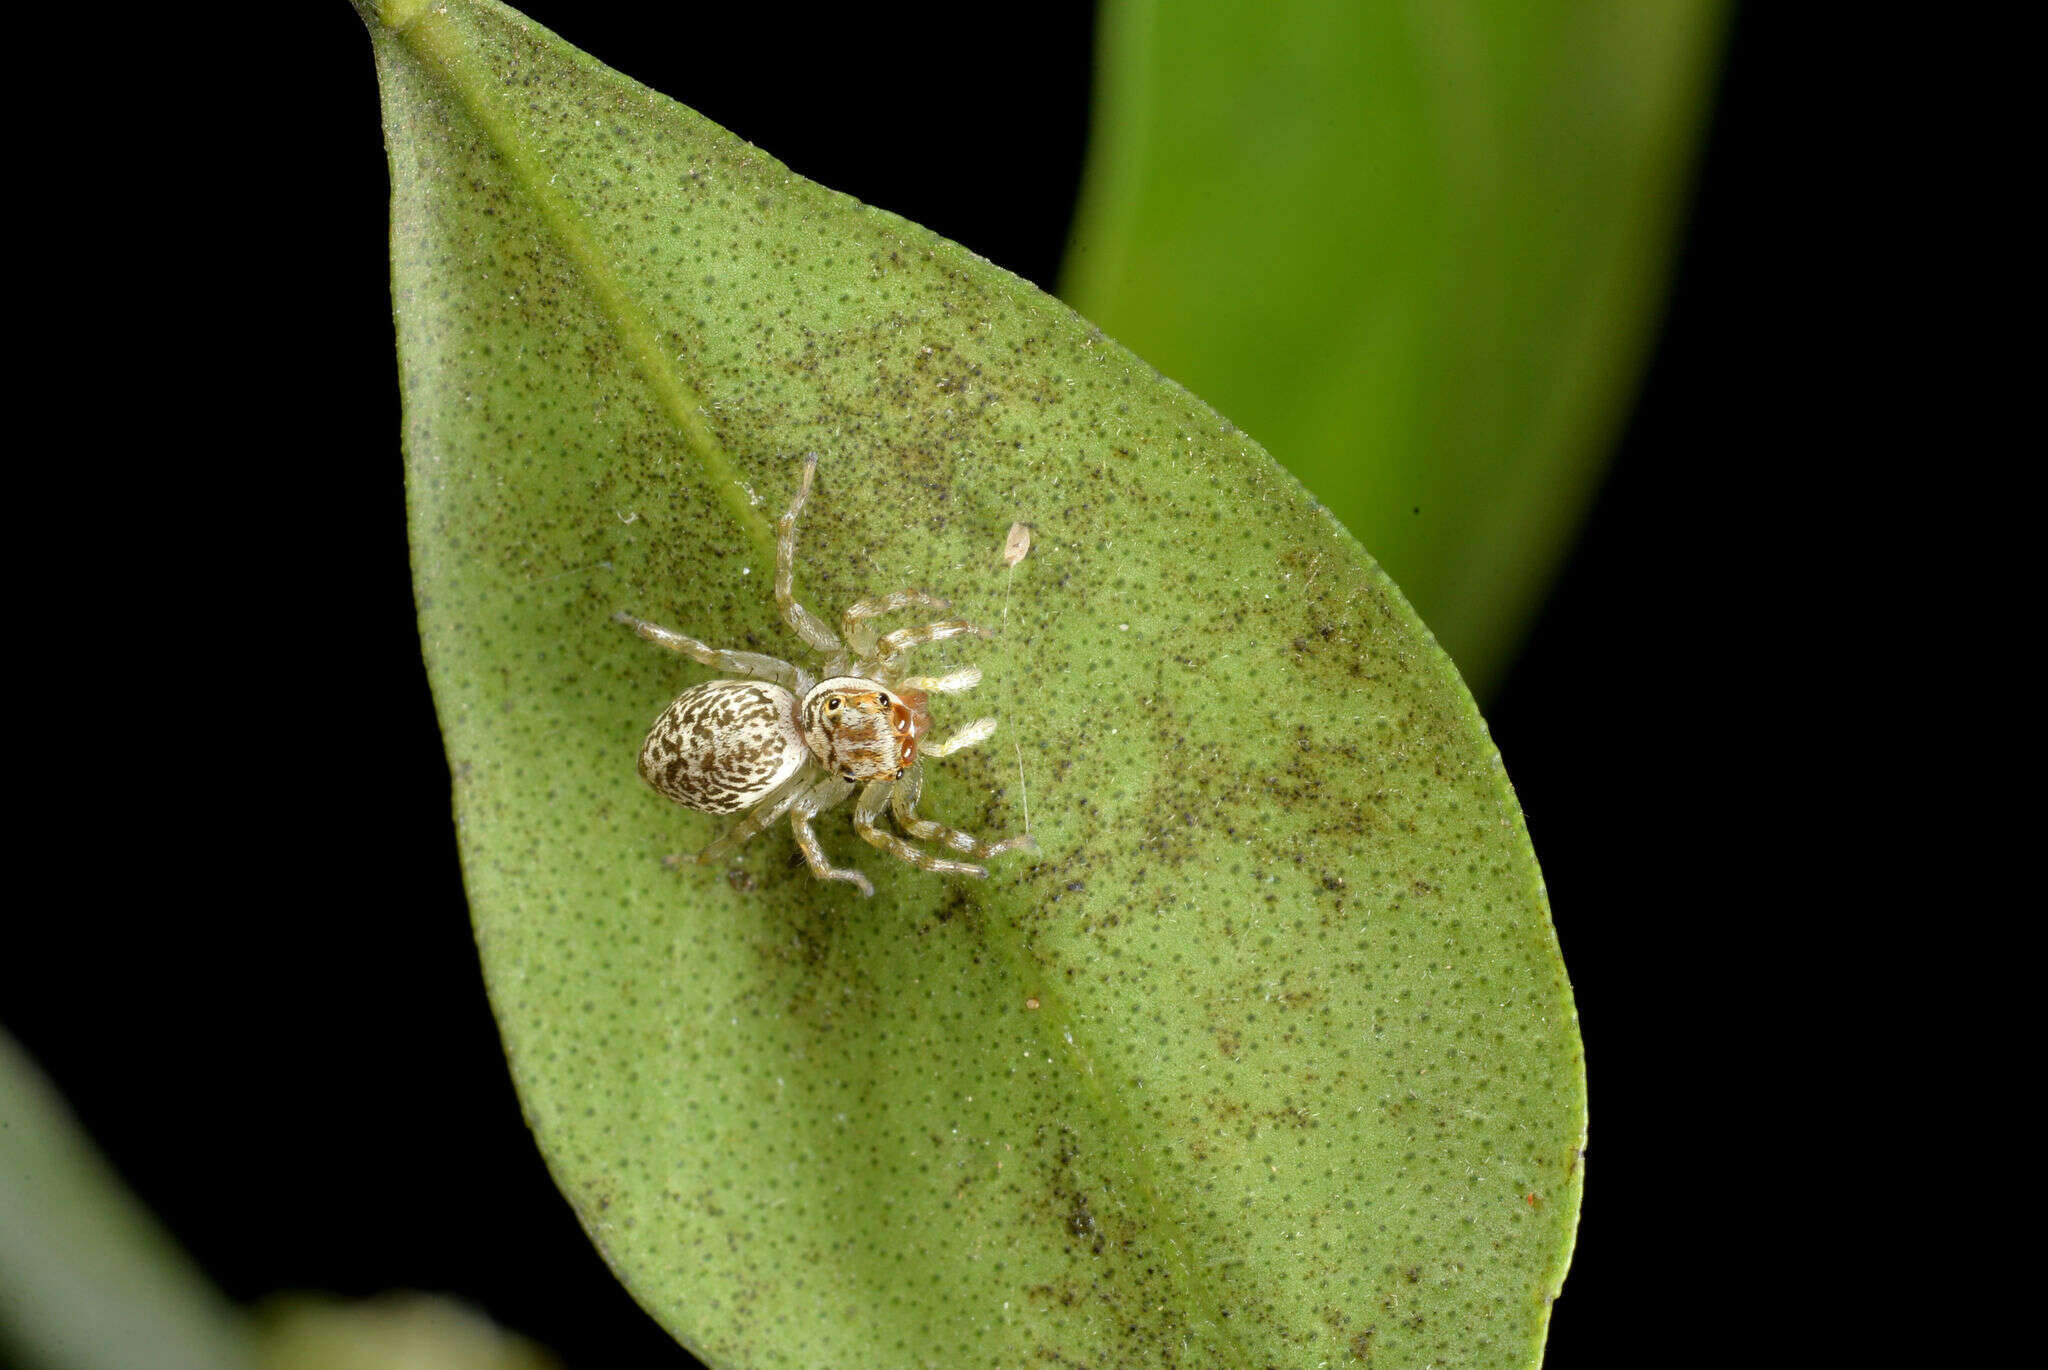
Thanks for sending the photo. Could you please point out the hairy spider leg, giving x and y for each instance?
(806, 624)
(760, 817)
(903, 800)
(860, 636)
(770, 668)
(977, 731)
(903, 639)
(873, 800)
(821, 796)
(952, 683)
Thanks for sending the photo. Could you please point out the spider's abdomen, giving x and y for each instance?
(724, 745)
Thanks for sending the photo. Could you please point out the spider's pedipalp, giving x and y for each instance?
(756, 664)
(819, 797)
(873, 800)
(903, 639)
(802, 621)
(977, 731)
(860, 635)
(903, 801)
(952, 683)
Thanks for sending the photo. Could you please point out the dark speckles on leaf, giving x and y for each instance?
(1081, 1223)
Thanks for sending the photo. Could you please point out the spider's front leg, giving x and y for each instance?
(860, 635)
(806, 624)
(754, 664)
(820, 796)
(903, 639)
(873, 800)
(904, 802)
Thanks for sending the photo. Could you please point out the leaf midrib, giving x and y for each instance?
(435, 38)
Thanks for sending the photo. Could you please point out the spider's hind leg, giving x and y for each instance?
(759, 818)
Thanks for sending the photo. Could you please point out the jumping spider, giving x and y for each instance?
(781, 742)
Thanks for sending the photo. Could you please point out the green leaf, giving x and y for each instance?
(1268, 1059)
(1417, 249)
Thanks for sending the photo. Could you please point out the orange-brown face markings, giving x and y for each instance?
(909, 718)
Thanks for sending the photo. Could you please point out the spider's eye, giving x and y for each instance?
(832, 704)
(900, 770)
(846, 776)
(885, 699)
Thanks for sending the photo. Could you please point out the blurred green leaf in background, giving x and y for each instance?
(88, 1279)
(1269, 1059)
(1416, 248)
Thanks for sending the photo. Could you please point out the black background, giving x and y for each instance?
(285, 1046)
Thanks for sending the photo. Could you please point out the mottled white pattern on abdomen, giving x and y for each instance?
(724, 745)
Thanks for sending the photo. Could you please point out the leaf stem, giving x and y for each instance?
(440, 42)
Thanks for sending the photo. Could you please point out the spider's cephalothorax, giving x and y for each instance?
(858, 730)
(782, 742)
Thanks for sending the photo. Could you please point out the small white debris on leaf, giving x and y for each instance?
(1017, 545)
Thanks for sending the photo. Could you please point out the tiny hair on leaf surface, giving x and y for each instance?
(1256, 1061)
